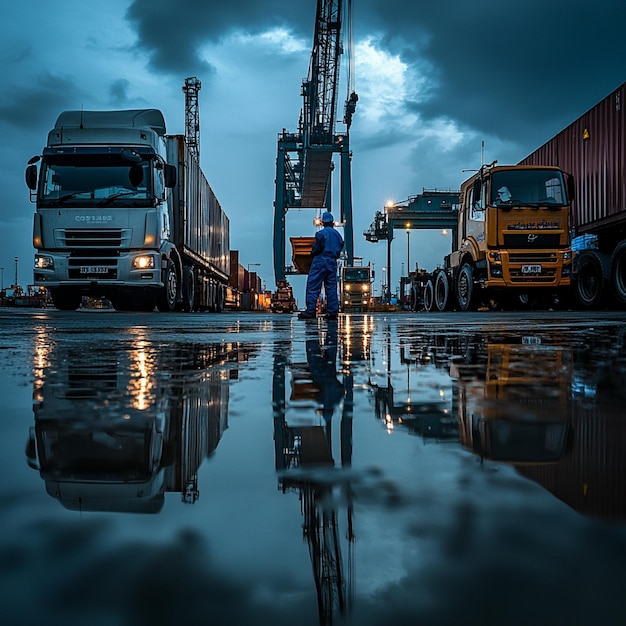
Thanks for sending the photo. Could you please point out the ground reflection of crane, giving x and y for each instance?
(418, 394)
(305, 461)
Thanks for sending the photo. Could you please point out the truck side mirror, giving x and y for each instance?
(31, 177)
(170, 176)
(571, 188)
(478, 183)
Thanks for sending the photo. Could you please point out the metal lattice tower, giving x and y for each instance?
(192, 117)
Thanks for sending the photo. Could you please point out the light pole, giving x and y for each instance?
(384, 295)
(2, 279)
(249, 266)
(253, 265)
(408, 249)
(251, 303)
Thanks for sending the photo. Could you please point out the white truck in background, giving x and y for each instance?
(124, 211)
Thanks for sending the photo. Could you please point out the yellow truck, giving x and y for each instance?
(513, 240)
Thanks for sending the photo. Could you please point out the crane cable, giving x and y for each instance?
(351, 95)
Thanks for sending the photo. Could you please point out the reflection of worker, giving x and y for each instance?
(325, 252)
(322, 362)
(504, 195)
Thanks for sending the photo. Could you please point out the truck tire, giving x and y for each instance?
(465, 290)
(591, 280)
(65, 299)
(166, 298)
(189, 288)
(429, 295)
(618, 272)
(442, 291)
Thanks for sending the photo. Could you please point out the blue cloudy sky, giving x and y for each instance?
(435, 79)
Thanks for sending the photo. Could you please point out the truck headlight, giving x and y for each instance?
(44, 262)
(143, 262)
(366, 287)
(567, 255)
(347, 287)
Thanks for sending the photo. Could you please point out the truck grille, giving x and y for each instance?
(94, 237)
(547, 260)
(532, 240)
(532, 257)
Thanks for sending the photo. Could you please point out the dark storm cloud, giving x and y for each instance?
(119, 91)
(509, 69)
(38, 103)
(173, 32)
(512, 69)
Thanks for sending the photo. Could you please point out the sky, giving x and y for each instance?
(435, 80)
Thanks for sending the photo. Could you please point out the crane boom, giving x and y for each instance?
(305, 159)
(320, 88)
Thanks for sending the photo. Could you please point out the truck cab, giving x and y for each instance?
(102, 223)
(356, 287)
(513, 234)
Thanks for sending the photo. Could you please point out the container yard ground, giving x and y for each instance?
(246, 468)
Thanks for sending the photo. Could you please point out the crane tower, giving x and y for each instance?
(192, 117)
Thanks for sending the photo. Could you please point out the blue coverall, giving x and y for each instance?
(325, 252)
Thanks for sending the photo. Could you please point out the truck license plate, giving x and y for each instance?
(531, 269)
(93, 269)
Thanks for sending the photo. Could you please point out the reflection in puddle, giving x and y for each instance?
(397, 441)
(304, 453)
(118, 427)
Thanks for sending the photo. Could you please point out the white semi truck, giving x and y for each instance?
(124, 211)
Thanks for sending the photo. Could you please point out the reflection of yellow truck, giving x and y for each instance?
(519, 412)
(356, 288)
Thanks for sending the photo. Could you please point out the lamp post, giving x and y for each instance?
(251, 306)
(2, 279)
(384, 295)
(249, 266)
(408, 249)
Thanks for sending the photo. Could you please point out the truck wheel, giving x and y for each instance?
(166, 299)
(429, 296)
(65, 299)
(189, 288)
(618, 272)
(591, 280)
(465, 287)
(442, 290)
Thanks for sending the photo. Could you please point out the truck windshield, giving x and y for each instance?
(117, 455)
(527, 187)
(356, 274)
(94, 180)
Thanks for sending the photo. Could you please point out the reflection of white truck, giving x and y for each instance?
(116, 431)
(124, 211)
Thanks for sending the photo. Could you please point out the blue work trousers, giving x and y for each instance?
(323, 272)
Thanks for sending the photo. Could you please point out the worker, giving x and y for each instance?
(325, 252)
(504, 195)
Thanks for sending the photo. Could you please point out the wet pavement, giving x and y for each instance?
(257, 469)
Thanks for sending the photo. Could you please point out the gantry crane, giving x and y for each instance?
(304, 161)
